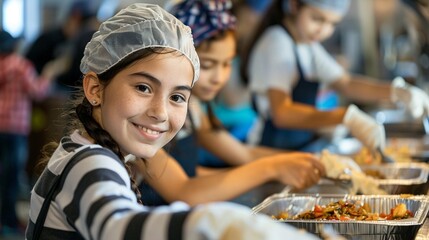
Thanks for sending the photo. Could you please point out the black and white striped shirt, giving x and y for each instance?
(95, 201)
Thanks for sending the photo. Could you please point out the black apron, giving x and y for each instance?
(304, 92)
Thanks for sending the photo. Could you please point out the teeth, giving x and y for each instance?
(152, 132)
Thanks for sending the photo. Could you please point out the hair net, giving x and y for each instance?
(205, 17)
(134, 28)
(339, 6)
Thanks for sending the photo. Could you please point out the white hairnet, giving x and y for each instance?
(338, 6)
(134, 28)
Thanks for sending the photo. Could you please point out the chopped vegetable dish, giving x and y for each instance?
(348, 210)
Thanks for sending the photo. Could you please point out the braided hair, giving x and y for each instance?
(102, 137)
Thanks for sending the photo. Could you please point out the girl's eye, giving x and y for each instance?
(318, 19)
(178, 98)
(228, 64)
(206, 65)
(143, 88)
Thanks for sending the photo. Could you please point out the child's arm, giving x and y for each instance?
(167, 177)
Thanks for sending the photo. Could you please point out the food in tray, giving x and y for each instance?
(374, 173)
(365, 156)
(348, 210)
(400, 153)
(281, 216)
(340, 167)
(400, 227)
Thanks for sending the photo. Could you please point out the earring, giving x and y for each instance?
(94, 102)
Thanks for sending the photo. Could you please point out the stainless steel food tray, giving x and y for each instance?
(411, 178)
(418, 146)
(405, 229)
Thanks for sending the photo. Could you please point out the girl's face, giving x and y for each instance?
(145, 104)
(215, 59)
(315, 24)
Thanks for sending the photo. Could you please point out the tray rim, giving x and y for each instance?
(423, 177)
(424, 199)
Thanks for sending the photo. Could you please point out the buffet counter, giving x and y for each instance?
(400, 178)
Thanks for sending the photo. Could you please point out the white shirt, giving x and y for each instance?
(273, 65)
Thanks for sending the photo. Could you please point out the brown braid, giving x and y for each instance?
(102, 137)
(215, 122)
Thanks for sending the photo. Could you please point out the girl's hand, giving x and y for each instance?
(300, 170)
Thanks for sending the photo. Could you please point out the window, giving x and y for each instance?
(13, 17)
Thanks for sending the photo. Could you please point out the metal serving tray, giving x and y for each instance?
(325, 186)
(411, 178)
(418, 146)
(405, 229)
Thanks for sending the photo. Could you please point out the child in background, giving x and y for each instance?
(139, 69)
(173, 177)
(20, 84)
(286, 66)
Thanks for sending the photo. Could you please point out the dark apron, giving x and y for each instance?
(293, 139)
(185, 151)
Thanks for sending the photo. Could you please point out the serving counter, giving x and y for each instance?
(407, 178)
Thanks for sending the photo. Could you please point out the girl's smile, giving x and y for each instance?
(145, 105)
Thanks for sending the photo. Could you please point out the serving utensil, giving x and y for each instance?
(384, 157)
(426, 124)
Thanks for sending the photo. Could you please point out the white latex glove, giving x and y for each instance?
(364, 128)
(415, 99)
(232, 221)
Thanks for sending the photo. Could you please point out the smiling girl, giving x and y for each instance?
(139, 68)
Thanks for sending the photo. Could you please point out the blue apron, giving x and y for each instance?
(185, 151)
(293, 139)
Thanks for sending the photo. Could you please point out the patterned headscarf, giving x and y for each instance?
(206, 18)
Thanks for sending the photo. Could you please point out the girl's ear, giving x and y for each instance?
(92, 88)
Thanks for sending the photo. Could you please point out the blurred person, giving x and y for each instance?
(71, 78)
(19, 86)
(53, 43)
(285, 66)
(174, 174)
(232, 104)
(132, 102)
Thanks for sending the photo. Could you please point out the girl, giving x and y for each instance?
(213, 27)
(285, 65)
(139, 69)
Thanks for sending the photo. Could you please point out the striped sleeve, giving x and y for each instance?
(96, 197)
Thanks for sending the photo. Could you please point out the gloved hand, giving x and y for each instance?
(224, 220)
(364, 128)
(415, 99)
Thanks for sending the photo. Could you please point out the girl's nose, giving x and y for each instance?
(158, 110)
(218, 75)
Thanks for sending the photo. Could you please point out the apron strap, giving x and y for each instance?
(38, 226)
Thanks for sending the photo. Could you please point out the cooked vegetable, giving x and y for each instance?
(348, 210)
